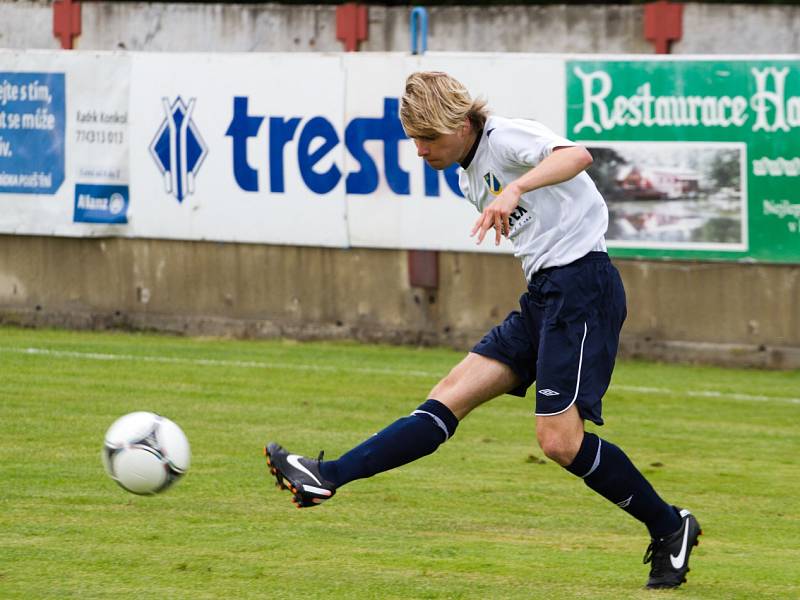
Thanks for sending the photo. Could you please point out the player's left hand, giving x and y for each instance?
(496, 215)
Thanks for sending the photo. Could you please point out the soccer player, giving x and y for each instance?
(529, 185)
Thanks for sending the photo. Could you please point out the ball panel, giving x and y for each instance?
(173, 444)
(139, 469)
(131, 428)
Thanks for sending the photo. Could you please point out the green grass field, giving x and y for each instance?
(484, 517)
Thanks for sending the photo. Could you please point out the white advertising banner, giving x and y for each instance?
(299, 149)
(238, 147)
(64, 165)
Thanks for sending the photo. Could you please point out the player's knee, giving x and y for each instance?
(556, 447)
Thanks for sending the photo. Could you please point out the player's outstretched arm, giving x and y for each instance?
(564, 163)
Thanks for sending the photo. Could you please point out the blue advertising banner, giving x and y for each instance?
(32, 125)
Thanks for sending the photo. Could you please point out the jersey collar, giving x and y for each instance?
(471, 154)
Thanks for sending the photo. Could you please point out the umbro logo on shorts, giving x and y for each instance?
(548, 392)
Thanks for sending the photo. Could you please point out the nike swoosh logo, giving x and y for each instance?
(677, 561)
(294, 460)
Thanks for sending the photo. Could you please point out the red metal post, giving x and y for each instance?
(351, 25)
(663, 23)
(66, 21)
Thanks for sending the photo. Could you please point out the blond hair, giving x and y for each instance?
(435, 103)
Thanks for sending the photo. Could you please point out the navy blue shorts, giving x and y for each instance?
(565, 336)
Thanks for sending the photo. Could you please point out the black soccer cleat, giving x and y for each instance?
(669, 556)
(299, 475)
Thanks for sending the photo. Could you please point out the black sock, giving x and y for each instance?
(609, 472)
(405, 440)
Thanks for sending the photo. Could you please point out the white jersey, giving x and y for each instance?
(553, 225)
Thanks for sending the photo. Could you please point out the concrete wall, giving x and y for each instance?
(710, 312)
(708, 28)
(251, 290)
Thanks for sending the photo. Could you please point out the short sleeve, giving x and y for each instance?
(525, 143)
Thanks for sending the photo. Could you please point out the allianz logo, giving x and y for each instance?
(113, 204)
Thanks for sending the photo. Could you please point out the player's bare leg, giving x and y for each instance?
(560, 436)
(473, 381)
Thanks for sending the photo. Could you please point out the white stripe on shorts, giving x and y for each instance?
(577, 383)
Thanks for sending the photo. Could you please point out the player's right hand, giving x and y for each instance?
(496, 215)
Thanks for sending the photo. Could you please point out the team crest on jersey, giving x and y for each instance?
(495, 187)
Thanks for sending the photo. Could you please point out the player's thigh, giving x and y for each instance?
(472, 382)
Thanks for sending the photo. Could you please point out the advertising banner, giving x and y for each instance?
(239, 147)
(299, 149)
(696, 158)
(63, 142)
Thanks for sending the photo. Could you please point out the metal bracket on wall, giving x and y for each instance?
(418, 23)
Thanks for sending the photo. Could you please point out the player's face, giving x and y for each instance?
(445, 149)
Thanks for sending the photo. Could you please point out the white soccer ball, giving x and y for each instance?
(145, 453)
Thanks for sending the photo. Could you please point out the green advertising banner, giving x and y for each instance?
(697, 159)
